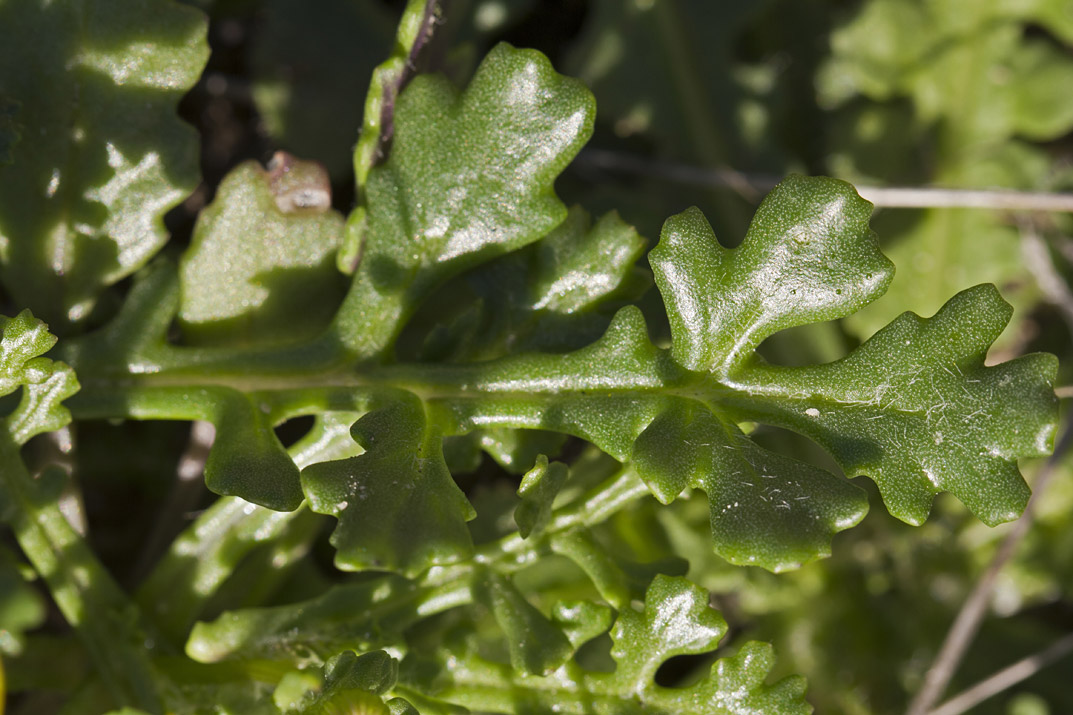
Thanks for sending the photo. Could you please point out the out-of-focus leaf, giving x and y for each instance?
(308, 66)
(21, 607)
(261, 267)
(979, 85)
(536, 645)
(353, 617)
(8, 129)
(351, 684)
(97, 84)
(538, 490)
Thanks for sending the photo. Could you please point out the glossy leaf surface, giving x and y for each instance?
(916, 409)
(469, 177)
(98, 84)
(45, 384)
(808, 256)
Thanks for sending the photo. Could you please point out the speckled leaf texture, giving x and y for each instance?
(103, 154)
(466, 199)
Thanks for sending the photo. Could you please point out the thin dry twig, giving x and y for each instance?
(972, 612)
(1006, 678)
(1039, 263)
(753, 186)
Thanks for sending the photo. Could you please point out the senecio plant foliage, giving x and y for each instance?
(461, 308)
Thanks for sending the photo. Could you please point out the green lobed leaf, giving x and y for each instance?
(246, 459)
(469, 177)
(211, 549)
(374, 672)
(676, 620)
(45, 383)
(917, 410)
(899, 397)
(397, 505)
(808, 256)
(261, 265)
(621, 394)
(351, 684)
(766, 509)
(581, 621)
(553, 295)
(98, 82)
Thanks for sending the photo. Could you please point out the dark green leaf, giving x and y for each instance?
(98, 83)
(916, 409)
(397, 505)
(766, 509)
(808, 256)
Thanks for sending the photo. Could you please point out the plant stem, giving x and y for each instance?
(108, 623)
(754, 186)
(415, 30)
(1007, 677)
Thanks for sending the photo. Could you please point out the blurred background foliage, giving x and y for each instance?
(706, 103)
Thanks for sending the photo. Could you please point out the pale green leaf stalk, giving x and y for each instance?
(89, 599)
